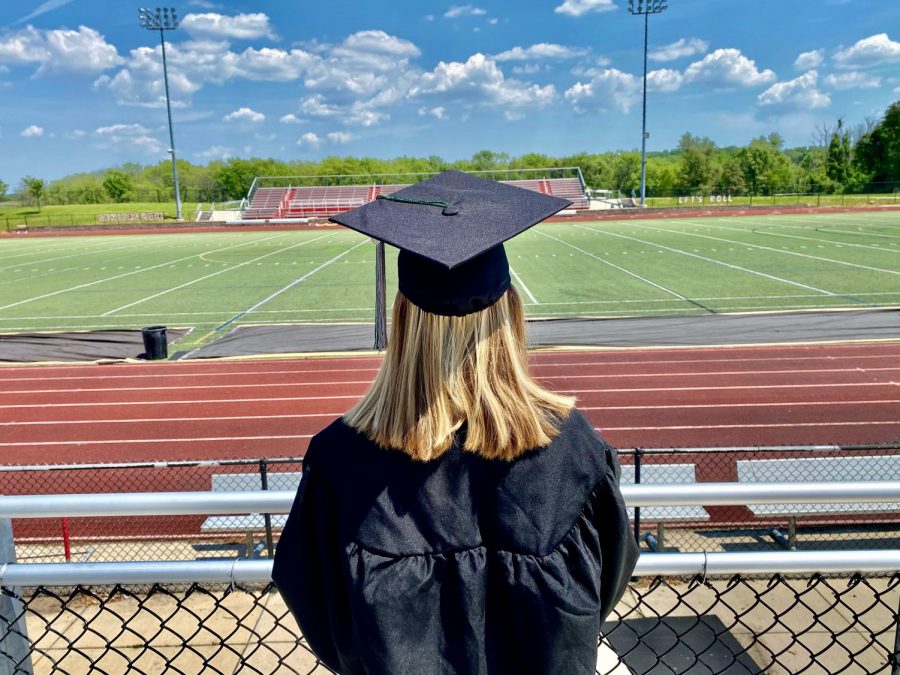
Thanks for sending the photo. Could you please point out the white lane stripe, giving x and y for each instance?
(129, 441)
(774, 425)
(333, 382)
(522, 285)
(332, 415)
(605, 390)
(769, 248)
(613, 265)
(290, 285)
(547, 364)
(711, 260)
(128, 274)
(209, 276)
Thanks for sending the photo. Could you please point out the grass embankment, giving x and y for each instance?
(11, 216)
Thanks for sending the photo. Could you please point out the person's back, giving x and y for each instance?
(460, 519)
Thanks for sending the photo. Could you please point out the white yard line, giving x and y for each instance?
(101, 249)
(767, 248)
(772, 277)
(613, 265)
(767, 233)
(214, 274)
(289, 286)
(128, 274)
(522, 285)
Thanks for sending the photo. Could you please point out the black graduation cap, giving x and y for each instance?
(450, 231)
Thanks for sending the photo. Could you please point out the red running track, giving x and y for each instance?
(795, 395)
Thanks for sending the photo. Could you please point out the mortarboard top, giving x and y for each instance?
(450, 230)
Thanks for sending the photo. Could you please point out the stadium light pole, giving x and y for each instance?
(163, 19)
(645, 8)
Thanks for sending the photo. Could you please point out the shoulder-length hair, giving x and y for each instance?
(442, 372)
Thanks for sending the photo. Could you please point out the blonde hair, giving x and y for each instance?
(440, 372)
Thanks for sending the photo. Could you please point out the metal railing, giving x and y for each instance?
(717, 612)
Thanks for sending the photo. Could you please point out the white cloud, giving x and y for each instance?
(310, 139)
(527, 69)
(801, 92)
(541, 50)
(33, 131)
(61, 50)
(479, 81)
(356, 113)
(438, 112)
(852, 80)
(871, 51)
(678, 49)
(579, 7)
(493, 21)
(809, 60)
(126, 138)
(340, 136)
(238, 27)
(244, 115)
(429, 17)
(727, 67)
(216, 152)
(664, 79)
(75, 134)
(464, 10)
(290, 118)
(610, 87)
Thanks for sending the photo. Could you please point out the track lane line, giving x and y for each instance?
(336, 414)
(553, 378)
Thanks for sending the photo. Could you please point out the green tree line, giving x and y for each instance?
(866, 158)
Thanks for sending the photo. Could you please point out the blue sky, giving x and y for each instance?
(81, 82)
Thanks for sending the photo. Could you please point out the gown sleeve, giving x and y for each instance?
(309, 571)
(619, 550)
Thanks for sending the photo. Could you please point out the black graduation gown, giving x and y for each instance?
(459, 565)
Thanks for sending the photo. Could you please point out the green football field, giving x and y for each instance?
(215, 281)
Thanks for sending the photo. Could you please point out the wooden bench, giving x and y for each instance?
(817, 469)
(659, 474)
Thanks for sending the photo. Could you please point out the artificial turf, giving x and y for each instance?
(214, 281)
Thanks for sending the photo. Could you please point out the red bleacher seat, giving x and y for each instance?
(328, 200)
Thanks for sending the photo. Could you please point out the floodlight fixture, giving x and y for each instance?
(645, 8)
(163, 19)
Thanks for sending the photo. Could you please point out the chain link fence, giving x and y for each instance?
(665, 528)
(738, 624)
(149, 537)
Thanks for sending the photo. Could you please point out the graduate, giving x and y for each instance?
(460, 518)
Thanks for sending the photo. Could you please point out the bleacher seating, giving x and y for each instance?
(324, 201)
(268, 202)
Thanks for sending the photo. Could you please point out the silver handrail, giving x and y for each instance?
(279, 501)
(260, 571)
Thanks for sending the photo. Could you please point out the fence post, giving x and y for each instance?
(637, 509)
(15, 647)
(264, 479)
(894, 659)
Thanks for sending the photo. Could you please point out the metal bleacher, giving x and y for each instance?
(323, 201)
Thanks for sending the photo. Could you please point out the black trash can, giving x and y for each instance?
(155, 345)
